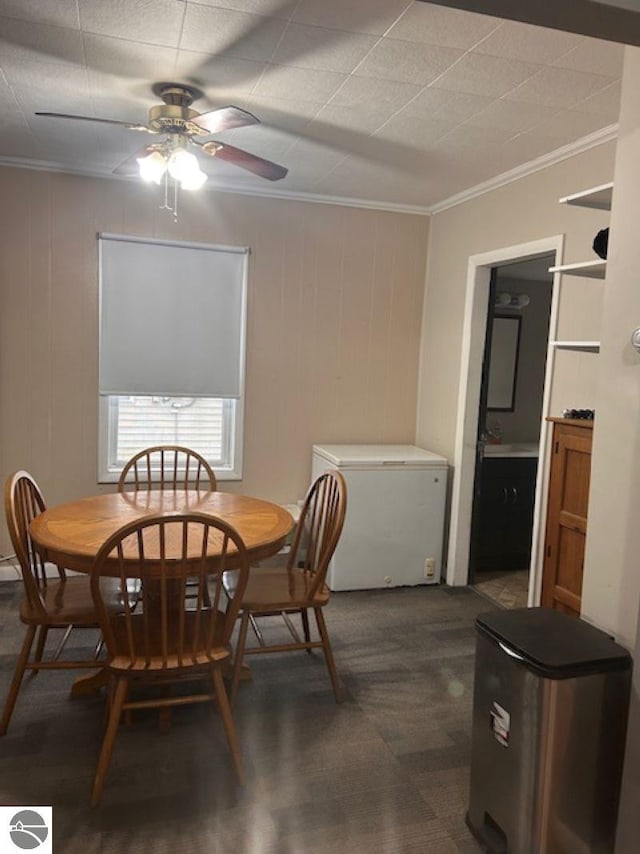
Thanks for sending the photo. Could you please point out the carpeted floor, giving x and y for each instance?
(384, 772)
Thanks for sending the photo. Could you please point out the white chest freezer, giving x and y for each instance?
(394, 524)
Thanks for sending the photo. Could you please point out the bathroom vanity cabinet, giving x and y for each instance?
(506, 512)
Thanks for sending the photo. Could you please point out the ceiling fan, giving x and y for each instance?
(182, 128)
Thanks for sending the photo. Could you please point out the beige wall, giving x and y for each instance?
(520, 212)
(611, 589)
(334, 307)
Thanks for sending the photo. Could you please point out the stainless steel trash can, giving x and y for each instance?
(550, 709)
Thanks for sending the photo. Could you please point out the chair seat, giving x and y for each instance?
(277, 590)
(70, 602)
(149, 657)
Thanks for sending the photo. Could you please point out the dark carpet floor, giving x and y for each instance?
(386, 772)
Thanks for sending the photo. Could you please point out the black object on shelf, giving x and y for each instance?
(601, 243)
(579, 414)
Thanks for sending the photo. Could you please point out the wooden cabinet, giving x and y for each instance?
(506, 513)
(567, 515)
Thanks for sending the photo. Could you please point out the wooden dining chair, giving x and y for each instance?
(167, 467)
(62, 603)
(298, 586)
(168, 638)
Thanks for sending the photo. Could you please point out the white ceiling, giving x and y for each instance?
(392, 101)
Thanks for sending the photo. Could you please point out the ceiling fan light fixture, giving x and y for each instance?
(183, 165)
(152, 167)
(194, 181)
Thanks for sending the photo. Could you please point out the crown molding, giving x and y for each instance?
(599, 137)
(287, 195)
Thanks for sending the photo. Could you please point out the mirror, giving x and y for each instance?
(503, 364)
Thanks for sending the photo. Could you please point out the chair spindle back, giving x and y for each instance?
(166, 630)
(167, 466)
(319, 528)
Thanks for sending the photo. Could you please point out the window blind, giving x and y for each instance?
(172, 318)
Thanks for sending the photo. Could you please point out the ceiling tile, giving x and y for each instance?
(570, 125)
(276, 8)
(360, 16)
(361, 91)
(430, 24)
(129, 59)
(605, 103)
(217, 73)
(327, 50)
(150, 21)
(51, 87)
(466, 137)
(218, 31)
(366, 117)
(476, 74)
(558, 87)
(281, 113)
(284, 81)
(411, 128)
(59, 13)
(262, 140)
(30, 41)
(527, 43)
(454, 106)
(594, 56)
(392, 59)
(513, 115)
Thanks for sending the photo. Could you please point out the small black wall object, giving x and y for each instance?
(601, 243)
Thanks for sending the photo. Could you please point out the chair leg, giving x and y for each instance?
(14, 689)
(109, 739)
(42, 639)
(305, 627)
(328, 654)
(227, 720)
(237, 665)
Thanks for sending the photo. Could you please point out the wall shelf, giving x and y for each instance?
(580, 346)
(586, 269)
(598, 198)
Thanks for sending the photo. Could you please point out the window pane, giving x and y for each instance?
(203, 424)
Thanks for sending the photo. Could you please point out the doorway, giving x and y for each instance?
(509, 426)
(470, 382)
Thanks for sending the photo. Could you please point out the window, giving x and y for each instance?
(172, 327)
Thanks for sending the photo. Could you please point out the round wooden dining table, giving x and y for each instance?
(70, 535)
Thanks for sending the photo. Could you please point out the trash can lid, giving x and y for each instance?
(554, 645)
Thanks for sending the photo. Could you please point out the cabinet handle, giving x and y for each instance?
(514, 495)
(504, 495)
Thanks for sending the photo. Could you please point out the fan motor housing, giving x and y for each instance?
(172, 118)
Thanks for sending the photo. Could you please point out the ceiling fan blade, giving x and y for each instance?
(226, 118)
(245, 160)
(130, 165)
(128, 125)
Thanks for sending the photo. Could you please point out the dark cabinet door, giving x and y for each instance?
(506, 513)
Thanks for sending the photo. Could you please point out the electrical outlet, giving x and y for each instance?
(429, 568)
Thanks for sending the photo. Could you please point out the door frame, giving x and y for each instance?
(473, 341)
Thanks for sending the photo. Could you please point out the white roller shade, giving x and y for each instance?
(172, 318)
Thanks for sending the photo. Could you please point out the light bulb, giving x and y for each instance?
(182, 165)
(194, 181)
(152, 167)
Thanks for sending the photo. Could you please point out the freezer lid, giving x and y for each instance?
(552, 644)
(355, 456)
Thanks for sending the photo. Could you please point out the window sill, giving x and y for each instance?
(221, 475)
